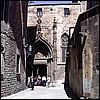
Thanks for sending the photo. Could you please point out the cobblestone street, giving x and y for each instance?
(40, 92)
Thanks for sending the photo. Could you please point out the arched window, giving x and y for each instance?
(64, 43)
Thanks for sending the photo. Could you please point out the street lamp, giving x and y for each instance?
(30, 54)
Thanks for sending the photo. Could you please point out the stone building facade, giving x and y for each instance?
(13, 31)
(82, 65)
(57, 21)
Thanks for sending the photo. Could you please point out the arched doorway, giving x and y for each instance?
(40, 65)
(43, 58)
(43, 54)
(42, 62)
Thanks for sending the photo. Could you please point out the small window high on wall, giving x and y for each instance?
(66, 11)
(39, 12)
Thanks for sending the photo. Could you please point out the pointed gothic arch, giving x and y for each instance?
(43, 47)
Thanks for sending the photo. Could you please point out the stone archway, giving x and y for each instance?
(43, 57)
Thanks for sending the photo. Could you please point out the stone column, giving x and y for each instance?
(51, 72)
(48, 69)
(54, 49)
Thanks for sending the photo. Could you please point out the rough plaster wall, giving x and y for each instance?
(75, 81)
(94, 24)
(75, 74)
(91, 57)
(87, 69)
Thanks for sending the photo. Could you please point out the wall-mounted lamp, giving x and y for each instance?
(2, 48)
(30, 48)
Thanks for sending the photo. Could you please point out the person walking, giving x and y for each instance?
(48, 81)
(29, 83)
(44, 81)
(39, 80)
(32, 82)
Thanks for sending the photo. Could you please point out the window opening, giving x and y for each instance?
(66, 11)
(39, 12)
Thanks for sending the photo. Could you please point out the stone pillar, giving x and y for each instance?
(51, 72)
(48, 69)
(54, 49)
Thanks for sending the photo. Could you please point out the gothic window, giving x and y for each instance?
(66, 11)
(39, 12)
(64, 41)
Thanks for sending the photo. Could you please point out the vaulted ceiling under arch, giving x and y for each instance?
(43, 47)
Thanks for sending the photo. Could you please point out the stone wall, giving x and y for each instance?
(60, 72)
(91, 57)
(83, 58)
(63, 25)
(75, 66)
(10, 85)
(11, 33)
(63, 22)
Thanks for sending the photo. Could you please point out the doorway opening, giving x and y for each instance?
(39, 70)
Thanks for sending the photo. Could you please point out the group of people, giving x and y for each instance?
(39, 81)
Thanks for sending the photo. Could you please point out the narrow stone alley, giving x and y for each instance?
(50, 43)
(40, 92)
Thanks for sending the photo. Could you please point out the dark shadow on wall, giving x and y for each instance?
(69, 92)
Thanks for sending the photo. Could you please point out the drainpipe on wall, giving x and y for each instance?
(21, 16)
(21, 10)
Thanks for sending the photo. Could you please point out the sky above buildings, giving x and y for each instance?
(49, 2)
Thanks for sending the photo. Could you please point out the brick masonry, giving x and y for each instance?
(11, 33)
(10, 85)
